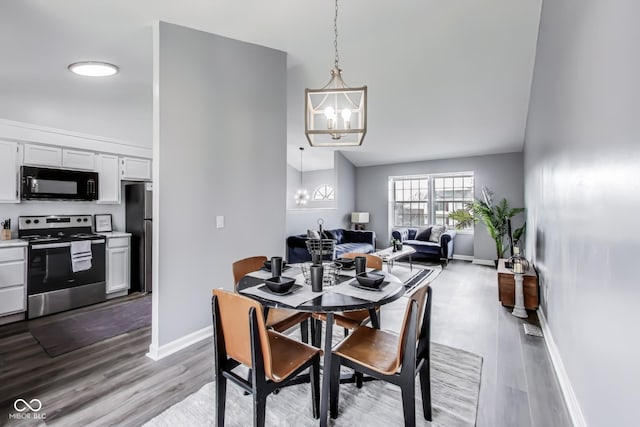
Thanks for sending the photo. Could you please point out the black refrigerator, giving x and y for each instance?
(138, 205)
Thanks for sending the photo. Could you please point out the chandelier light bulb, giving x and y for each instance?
(346, 116)
(330, 114)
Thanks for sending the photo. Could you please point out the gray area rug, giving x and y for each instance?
(404, 272)
(89, 327)
(455, 386)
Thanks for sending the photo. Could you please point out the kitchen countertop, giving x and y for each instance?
(12, 243)
(115, 234)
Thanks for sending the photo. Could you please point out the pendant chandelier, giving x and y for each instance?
(336, 115)
(301, 196)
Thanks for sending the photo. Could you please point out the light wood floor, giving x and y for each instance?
(114, 383)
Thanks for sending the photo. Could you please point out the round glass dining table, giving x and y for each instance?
(329, 302)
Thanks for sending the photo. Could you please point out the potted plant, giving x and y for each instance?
(494, 216)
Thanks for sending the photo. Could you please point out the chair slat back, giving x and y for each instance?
(234, 324)
(420, 296)
(244, 266)
(373, 261)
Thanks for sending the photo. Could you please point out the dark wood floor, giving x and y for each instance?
(113, 383)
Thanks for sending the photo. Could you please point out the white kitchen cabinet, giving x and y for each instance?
(118, 265)
(42, 155)
(8, 172)
(135, 169)
(108, 178)
(13, 295)
(74, 159)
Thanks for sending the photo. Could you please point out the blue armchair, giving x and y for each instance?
(443, 250)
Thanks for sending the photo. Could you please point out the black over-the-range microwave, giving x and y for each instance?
(57, 184)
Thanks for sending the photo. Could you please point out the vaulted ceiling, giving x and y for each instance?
(446, 78)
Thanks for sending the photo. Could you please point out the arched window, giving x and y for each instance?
(324, 192)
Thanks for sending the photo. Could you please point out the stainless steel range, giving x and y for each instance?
(66, 264)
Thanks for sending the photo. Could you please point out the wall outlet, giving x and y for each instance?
(220, 221)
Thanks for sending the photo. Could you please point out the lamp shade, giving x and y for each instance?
(360, 217)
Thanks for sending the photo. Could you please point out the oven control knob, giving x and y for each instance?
(85, 220)
(78, 220)
(28, 221)
(36, 221)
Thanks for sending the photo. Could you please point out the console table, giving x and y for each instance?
(506, 286)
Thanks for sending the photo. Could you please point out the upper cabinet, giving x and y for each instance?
(135, 169)
(108, 166)
(73, 159)
(8, 172)
(42, 155)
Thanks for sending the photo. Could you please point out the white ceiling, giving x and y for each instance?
(446, 78)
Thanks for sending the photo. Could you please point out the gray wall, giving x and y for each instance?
(582, 169)
(502, 173)
(221, 151)
(300, 220)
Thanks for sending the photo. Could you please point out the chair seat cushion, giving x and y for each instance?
(347, 319)
(287, 355)
(372, 348)
(281, 319)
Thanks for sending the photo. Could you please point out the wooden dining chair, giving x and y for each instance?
(391, 357)
(278, 319)
(240, 337)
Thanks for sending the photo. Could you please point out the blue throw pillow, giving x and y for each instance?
(423, 235)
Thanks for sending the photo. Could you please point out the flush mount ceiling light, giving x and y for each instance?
(93, 69)
(336, 115)
(302, 195)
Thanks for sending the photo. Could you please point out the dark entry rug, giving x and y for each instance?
(83, 329)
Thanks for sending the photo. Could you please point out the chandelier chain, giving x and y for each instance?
(335, 40)
(301, 150)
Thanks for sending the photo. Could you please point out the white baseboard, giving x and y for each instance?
(488, 262)
(575, 412)
(156, 353)
(462, 257)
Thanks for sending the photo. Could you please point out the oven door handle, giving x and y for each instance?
(62, 245)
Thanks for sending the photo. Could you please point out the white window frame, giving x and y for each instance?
(431, 196)
(323, 186)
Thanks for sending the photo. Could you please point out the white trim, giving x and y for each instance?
(462, 257)
(157, 215)
(488, 262)
(28, 132)
(156, 353)
(570, 398)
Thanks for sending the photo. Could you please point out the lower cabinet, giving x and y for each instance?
(13, 291)
(118, 266)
